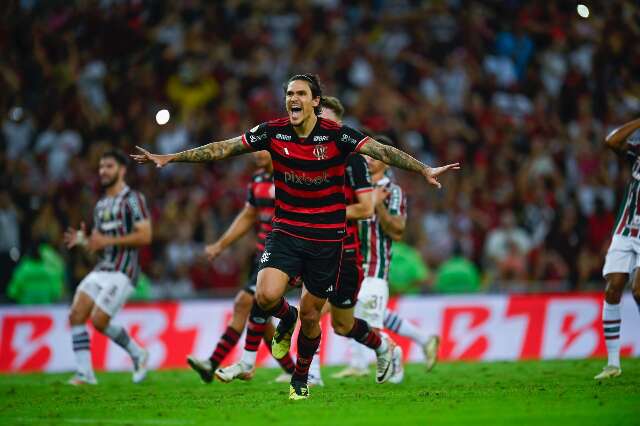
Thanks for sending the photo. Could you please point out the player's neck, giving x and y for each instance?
(115, 189)
(306, 127)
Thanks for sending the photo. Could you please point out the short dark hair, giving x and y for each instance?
(334, 104)
(117, 155)
(314, 85)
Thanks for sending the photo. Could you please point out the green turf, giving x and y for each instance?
(522, 393)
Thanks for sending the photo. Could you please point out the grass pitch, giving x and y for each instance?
(502, 393)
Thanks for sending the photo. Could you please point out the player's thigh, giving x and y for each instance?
(621, 257)
(280, 261)
(84, 298)
(345, 294)
(372, 301)
(115, 289)
(321, 267)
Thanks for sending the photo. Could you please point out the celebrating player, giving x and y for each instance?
(257, 210)
(623, 255)
(121, 224)
(309, 156)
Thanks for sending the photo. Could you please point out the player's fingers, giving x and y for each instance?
(434, 182)
(142, 150)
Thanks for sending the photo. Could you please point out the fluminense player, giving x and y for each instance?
(257, 210)
(121, 225)
(623, 256)
(376, 237)
(309, 155)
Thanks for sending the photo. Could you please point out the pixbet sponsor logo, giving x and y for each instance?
(303, 179)
(283, 137)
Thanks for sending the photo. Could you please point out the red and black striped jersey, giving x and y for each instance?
(308, 174)
(375, 244)
(358, 182)
(116, 216)
(261, 196)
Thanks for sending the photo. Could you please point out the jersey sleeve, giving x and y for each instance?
(397, 201)
(137, 207)
(258, 138)
(359, 178)
(350, 140)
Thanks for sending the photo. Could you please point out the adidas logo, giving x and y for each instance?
(347, 301)
(330, 289)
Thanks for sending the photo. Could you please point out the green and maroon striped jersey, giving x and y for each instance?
(116, 216)
(375, 244)
(628, 220)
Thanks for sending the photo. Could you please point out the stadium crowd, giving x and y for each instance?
(521, 93)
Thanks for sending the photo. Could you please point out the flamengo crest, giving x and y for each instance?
(320, 151)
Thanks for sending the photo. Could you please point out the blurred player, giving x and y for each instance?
(309, 156)
(121, 224)
(623, 256)
(376, 236)
(257, 210)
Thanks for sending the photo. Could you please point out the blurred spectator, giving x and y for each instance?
(37, 279)
(407, 271)
(521, 93)
(457, 275)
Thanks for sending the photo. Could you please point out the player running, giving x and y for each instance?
(623, 255)
(121, 224)
(376, 237)
(309, 156)
(358, 190)
(257, 210)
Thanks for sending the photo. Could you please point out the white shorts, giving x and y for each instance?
(108, 290)
(623, 255)
(372, 301)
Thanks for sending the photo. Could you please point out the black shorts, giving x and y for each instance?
(351, 275)
(316, 262)
(250, 286)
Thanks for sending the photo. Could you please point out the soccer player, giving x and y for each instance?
(377, 235)
(359, 202)
(309, 156)
(257, 210)
(121, 225)
(623, 255)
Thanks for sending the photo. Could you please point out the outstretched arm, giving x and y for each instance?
(245, 220)
(617, 139)
(394, 157)
(205, 153)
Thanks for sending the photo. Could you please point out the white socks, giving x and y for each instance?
(120, 336)
(249, 357)
(611, 321)
(81, 350)
(395, 323)
(314, 368)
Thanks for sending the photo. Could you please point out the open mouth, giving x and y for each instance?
(296, 112)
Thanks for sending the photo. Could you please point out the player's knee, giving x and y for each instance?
(266, 300)
(340, 326)
(309, 316)
(613, 291)
(635, 291)
(243, 302)
(76, 317)
(99, 323)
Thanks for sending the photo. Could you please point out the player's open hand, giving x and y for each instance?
(212, 251)
(431, 173)
(73, 237)
(144, 156)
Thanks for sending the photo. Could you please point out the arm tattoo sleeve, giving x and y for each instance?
(212, 151)
(392, 156)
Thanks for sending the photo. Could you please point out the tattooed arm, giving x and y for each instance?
(205, 153)
(394, 157)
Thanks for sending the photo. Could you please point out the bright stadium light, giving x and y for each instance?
(583, 10)
(162, 117)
